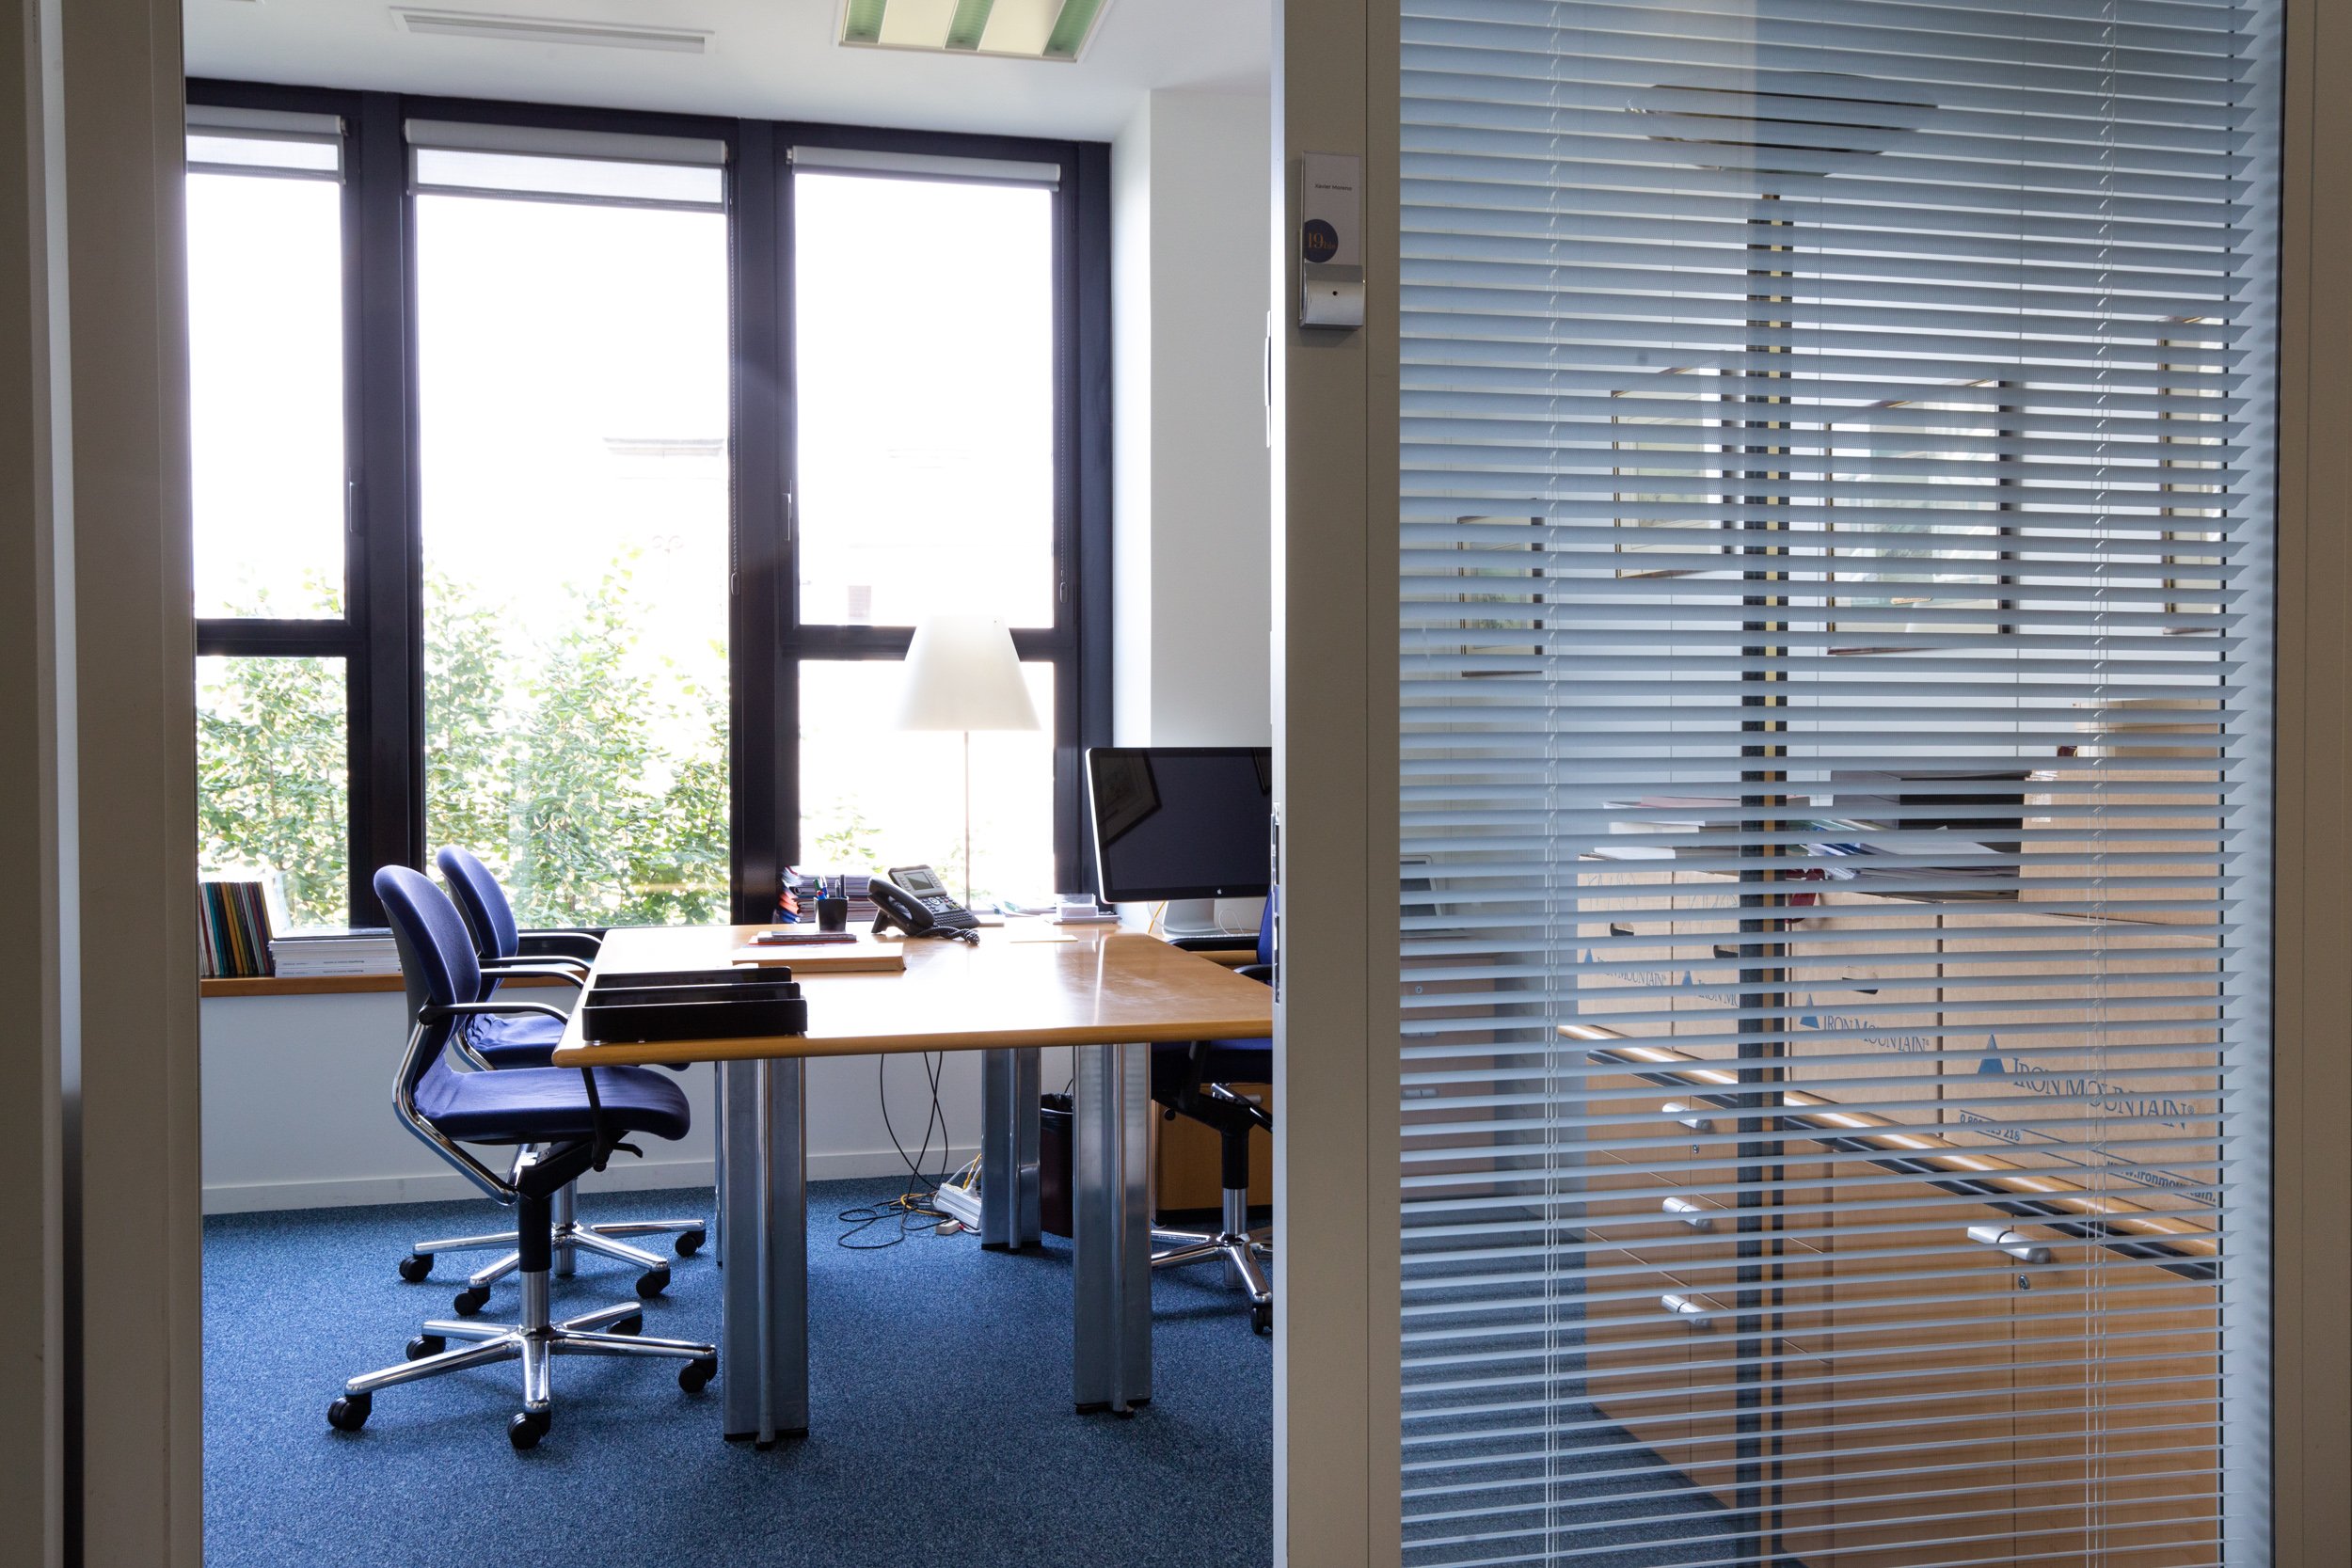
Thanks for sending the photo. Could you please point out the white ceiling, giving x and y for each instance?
(766, 59)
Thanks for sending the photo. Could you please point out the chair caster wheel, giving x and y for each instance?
(426, 1345)
(473, 1299)
(627, 1325)
(525, 1429)
(697, 1374)
(654, 1281)
(414, 1267)
(350, 1411)
(1262, 1317)
(688, 1242)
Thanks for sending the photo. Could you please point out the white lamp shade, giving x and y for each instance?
(962, 674)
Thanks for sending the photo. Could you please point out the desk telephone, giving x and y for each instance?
(912, 898)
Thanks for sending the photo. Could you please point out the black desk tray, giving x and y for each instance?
(692, 1005)
(740, 975)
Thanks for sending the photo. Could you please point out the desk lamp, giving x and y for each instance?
(963, 675)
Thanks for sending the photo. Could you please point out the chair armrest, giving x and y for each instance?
(563, 969)
(558, 944)
(431, 1012)
(1262, 973)
(404, 1105)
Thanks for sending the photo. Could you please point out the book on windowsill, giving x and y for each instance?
(237, 911)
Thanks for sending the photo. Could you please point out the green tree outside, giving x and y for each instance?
(273, 786)
(576, 788)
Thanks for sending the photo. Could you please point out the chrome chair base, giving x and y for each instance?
(534, 1341)
(1236, 1244)
(571, 1238)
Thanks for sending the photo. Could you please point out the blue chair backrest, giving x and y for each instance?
(488, 915)
(436, 957)
(1265, 925)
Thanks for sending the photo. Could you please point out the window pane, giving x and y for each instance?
(265, 365)
(572, 396)
(873, 797)
(273, 777)
(925, 341)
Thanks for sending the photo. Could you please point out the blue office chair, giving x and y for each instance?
(560, 1121)
(1189, 1080)
(502, 951)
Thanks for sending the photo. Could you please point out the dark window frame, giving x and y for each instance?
(381, 636)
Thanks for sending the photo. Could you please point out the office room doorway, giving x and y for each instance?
(582, 459)
(120, 1435)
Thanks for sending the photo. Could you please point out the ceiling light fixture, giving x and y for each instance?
(540, 30)
(1011, 29)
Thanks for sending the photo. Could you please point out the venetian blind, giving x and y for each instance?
(1836, 570)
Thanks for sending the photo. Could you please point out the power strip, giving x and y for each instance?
(963, 1204)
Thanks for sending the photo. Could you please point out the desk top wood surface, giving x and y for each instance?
(1048, 986)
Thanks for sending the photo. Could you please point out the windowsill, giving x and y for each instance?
(328, 985)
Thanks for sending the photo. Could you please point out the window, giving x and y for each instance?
(266, 204)
(884, 797)
(1834, 954)
(925, 439)
(265, 364)
(572, 398)
(273, 741)
(925, 449)
(565, 479)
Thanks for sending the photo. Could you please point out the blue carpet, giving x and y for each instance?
(941, 1426)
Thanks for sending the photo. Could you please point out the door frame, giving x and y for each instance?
(1333, 426)
(92, 93)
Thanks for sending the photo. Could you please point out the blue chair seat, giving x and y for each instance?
(520, 1040)
(539, 1104)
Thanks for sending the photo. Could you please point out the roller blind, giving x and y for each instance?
(613, 169)
(1835, 556)
(264, 142)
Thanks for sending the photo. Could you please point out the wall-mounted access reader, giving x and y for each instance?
(1330, 240)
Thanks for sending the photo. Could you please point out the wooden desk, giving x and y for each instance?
(1110, 993)
(1015, 988)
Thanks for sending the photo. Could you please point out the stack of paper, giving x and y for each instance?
(367, 951)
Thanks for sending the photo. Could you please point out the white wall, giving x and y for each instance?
(1191, 502)
(298, 1112)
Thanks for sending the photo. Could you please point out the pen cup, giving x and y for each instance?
(833, 914)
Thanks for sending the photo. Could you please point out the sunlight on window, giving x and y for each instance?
(874, 796)
(266, 367)
(573, 402)
(925, 327)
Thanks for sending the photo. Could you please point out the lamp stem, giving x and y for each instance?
(968, 820)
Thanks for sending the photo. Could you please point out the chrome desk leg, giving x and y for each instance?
(763, 1302)
(719, 1167)
(1113, 1286)
(1009, 1211)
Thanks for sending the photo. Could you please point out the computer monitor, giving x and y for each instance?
(1182, 821)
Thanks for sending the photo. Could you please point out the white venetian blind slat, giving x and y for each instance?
(1836, 563)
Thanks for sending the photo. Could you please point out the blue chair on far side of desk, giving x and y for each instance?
(560, 1121)
(1190, 1080)
(528, 1040)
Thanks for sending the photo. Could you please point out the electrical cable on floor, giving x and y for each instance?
(914, 1211)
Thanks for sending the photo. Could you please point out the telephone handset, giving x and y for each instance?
(915, 900)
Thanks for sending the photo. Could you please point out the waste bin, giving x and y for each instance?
(1055, 1125)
